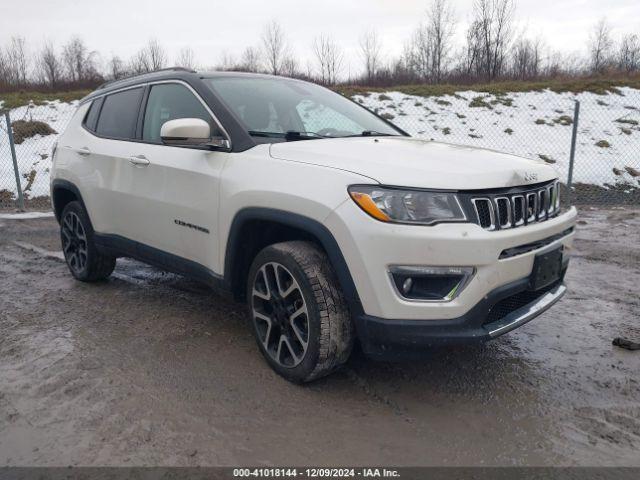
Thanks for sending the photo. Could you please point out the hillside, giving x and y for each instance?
(534, 124)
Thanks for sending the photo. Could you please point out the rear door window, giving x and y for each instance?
(119, 114)
(171, 101)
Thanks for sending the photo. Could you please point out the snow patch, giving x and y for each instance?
(25, 215)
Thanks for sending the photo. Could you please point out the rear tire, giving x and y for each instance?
(300, 318)
(84, 260)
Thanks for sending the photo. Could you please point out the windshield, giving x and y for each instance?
(284, 108)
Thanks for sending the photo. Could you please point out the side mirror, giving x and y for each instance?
(190, 132)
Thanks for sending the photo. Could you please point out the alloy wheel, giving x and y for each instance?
(74, 242)
(280, 314)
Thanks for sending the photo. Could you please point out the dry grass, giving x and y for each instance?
(26, 129)
(22, 98)
(480, 102)
(565, 120)
(598, 86)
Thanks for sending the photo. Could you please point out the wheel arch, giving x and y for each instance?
(62, 193)
(274, 226)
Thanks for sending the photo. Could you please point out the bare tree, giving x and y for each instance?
(73, 55)
(370, 49)
(308, 71)
(49, 66)
(186, 58)
(526, 58)
(329, 58)
(4, 70)
(489, 38)
(17, 62)
(140, 63)
(79, 62)
(471, 53)
(156, 55)
(440, 28)
(116, 68)
(290, 67)
(629, 53)
(560, 63)
(250, 60)
(148, 59)
(600, 46)
(275, 46)
(418, 54)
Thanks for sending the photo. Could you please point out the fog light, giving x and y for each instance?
(406, 286)
(436, 284)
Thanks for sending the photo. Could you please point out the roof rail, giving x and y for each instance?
(169, 69)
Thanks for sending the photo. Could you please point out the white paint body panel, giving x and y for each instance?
(409, 162)
(308, 178)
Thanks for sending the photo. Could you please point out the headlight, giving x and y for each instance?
(407, 206)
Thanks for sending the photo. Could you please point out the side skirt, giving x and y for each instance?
(118, 246)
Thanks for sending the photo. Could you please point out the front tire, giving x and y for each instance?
(84, 260)
(300, 318)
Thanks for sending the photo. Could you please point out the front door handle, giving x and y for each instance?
(139, 161)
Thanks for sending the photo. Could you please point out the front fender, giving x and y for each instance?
(312, 227)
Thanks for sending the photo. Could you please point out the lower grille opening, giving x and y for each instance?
(510, 304)
(528, 247)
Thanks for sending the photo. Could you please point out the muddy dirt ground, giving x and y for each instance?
(152, 369)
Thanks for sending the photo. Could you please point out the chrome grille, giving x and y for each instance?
(503, 210)
(532, 207)
(543, 204)
(519, 210)
(515, 209)
(484, 211)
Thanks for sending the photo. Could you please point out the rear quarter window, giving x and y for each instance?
(91, 118)
(119, 114)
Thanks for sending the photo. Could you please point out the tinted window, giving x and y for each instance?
(119, 114)
(91, 118)
(169, 102)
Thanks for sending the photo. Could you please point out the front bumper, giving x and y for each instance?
(372, 248)
(502, 310)
(496, 300)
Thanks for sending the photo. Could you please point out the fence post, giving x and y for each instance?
(572, 156)
(15, 160)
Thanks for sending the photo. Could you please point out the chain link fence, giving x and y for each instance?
(27, 135)
(607, 165)
(537, 125)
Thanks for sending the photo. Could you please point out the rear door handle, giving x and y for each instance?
(84, 151)
(139, 161)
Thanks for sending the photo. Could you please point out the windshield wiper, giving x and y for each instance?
(294, 135)
(373, 133)
(257, 133)
(290, 135)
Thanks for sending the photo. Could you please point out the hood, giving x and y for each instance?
(408, 162)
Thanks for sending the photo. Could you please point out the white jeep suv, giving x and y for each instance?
(331, 223)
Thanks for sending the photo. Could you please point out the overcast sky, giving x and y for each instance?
(212, 28)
